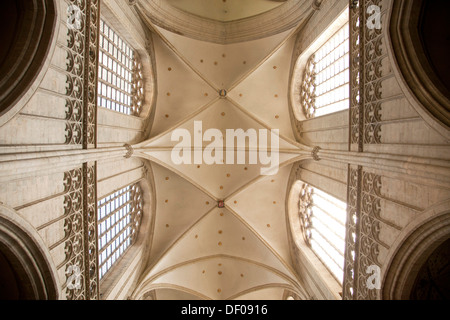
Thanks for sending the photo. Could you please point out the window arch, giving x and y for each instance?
(325, 87)
(119, 219)
(322, 221)
(120, 76)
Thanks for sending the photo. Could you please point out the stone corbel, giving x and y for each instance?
(315, 153)
(316, 4)
(130, 151)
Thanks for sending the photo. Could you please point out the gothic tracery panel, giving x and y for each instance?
(80, 237)
(81, 69)
(366, 77)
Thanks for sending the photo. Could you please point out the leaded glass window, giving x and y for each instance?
(322, 219)
(325, 87)
(119, 216)
(120, 78)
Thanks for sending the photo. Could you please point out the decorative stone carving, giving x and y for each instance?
(366, 56)
(130, 151)
(136, 211)
(81, 80)
(80, 229)
(308, 89)
(363, 242)
(349, 284)
(137, 86)
(305, 204)
(315, 153)
(90, 231)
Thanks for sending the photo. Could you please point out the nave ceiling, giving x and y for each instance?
(198, 249)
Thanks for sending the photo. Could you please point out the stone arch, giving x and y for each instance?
(420, 239)
(25, 258)
(418, 71)
(28, 29)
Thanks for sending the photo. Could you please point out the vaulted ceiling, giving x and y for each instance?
(200, 250)
(225, 10)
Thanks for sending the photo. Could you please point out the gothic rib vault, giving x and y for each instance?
(241, 250)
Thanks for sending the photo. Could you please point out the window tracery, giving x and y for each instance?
(120, 80)
(119, 218)
(325, 86)
(322, 221)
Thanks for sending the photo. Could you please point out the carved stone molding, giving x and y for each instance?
(73, 235)
(90, 231)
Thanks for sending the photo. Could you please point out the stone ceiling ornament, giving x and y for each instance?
(223, 93)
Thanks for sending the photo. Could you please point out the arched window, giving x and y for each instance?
(119, 216)
(120, 78)
(322, 220)
(325, 87)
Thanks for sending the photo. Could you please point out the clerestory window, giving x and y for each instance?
(322, 220)
(120, 78)
(119, 217)
(325, 87)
